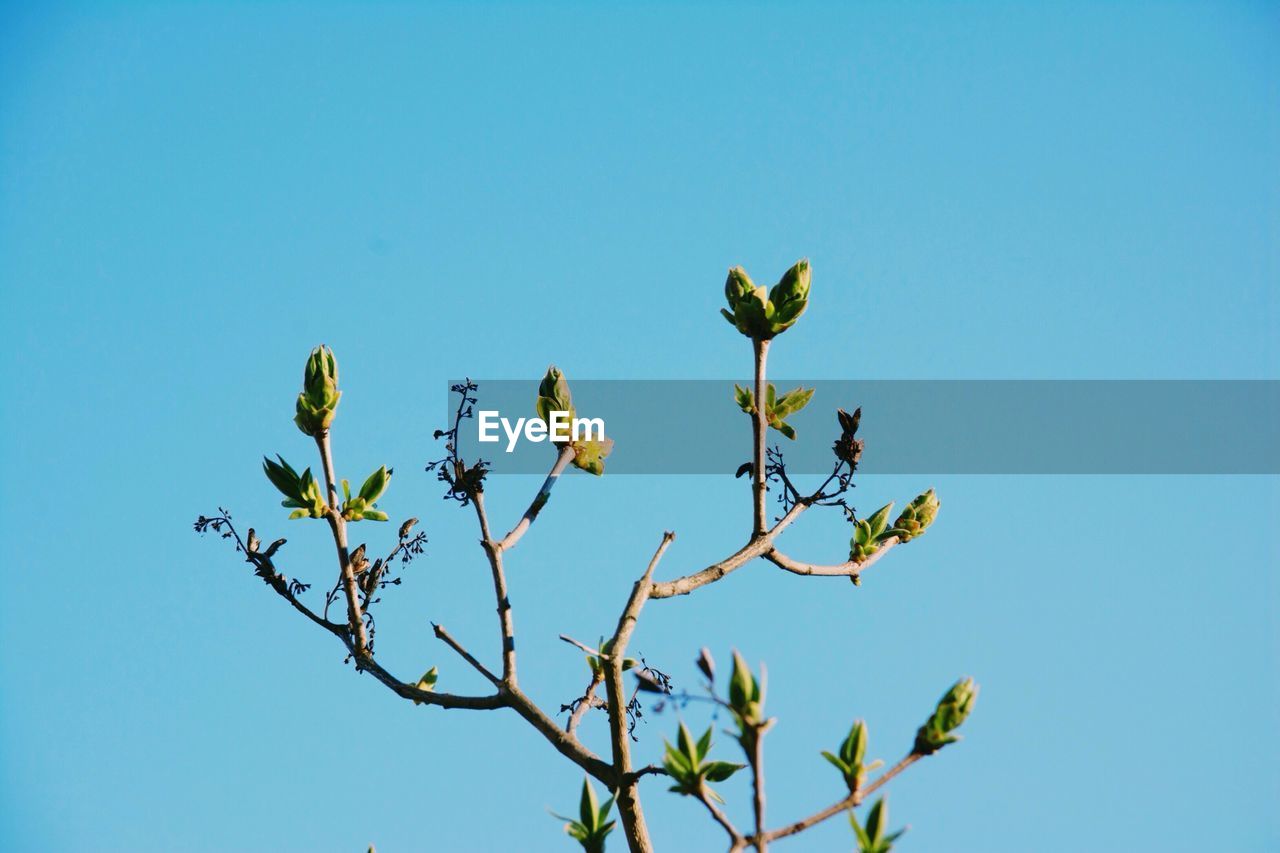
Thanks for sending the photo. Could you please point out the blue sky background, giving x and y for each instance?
(192, 195)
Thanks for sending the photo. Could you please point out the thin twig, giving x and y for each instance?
(845, 570)
(851, 801)
(506, 623)
(563, 459)
(587, 701)
(757, 787)
(588, 649)
(627, 794)
(759, 427)
(338, 526)
(714, 572)
(736, 839)
(448, 639)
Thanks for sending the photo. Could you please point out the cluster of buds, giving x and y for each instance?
(848, 448)
(364, 504)
(554, 396)
(869, 533)
(301, 491)
(762, 314)
(917, 517)
(953, 709)
(318, 402)
(873, 838)
(776, 408)
(850, 759)
(592, 826)
(686, 764)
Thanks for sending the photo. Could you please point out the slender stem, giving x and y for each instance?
(506, 622)
(846, 570)
(853, 799)
(540, 500)
(338, 526)
(736, 839)
(757, 788)
(628, 790)
(584, 705)
(759, 427)
(595, 653)
(448, 639)
(757, 547)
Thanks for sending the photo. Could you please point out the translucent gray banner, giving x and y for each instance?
(912, 426)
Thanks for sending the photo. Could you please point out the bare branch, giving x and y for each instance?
(444, 635)
(627, 795)
(736, 839)
(564, 742)
(540, 500)
(756, 758)
(506, 623)
(649, 770)
(586, 702)
(593, 652)
(759, 428)
(852, 800)
(849, 569)
(714, 572)
(338, 526)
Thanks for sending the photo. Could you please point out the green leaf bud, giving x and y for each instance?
(318, 402)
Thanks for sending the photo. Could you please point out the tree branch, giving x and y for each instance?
(338, 526)
(586, 702)
(757, 787)
(627, 795)
(540, 500)
(506, 623)
(852, 800)
(736, 839)
(849, 569)
(448, 639)
(759, 428)
(714, 572)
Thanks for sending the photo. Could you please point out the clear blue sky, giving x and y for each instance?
(193, 194)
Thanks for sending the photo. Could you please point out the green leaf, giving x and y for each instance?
(282, 476)
(588, 807)
(879, 519)
(793, 401)
(876, 820)
(685, 741)
(741, 683)
(677, 763)
(838, 763)
(375, 485)
(718, 771)
(704, 744)
(864, 841)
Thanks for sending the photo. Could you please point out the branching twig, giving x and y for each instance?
(338, 526)
(736, 839)
(563, 458)
(849, 569)
(853, 799)
(448, 639)
(627, 795)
